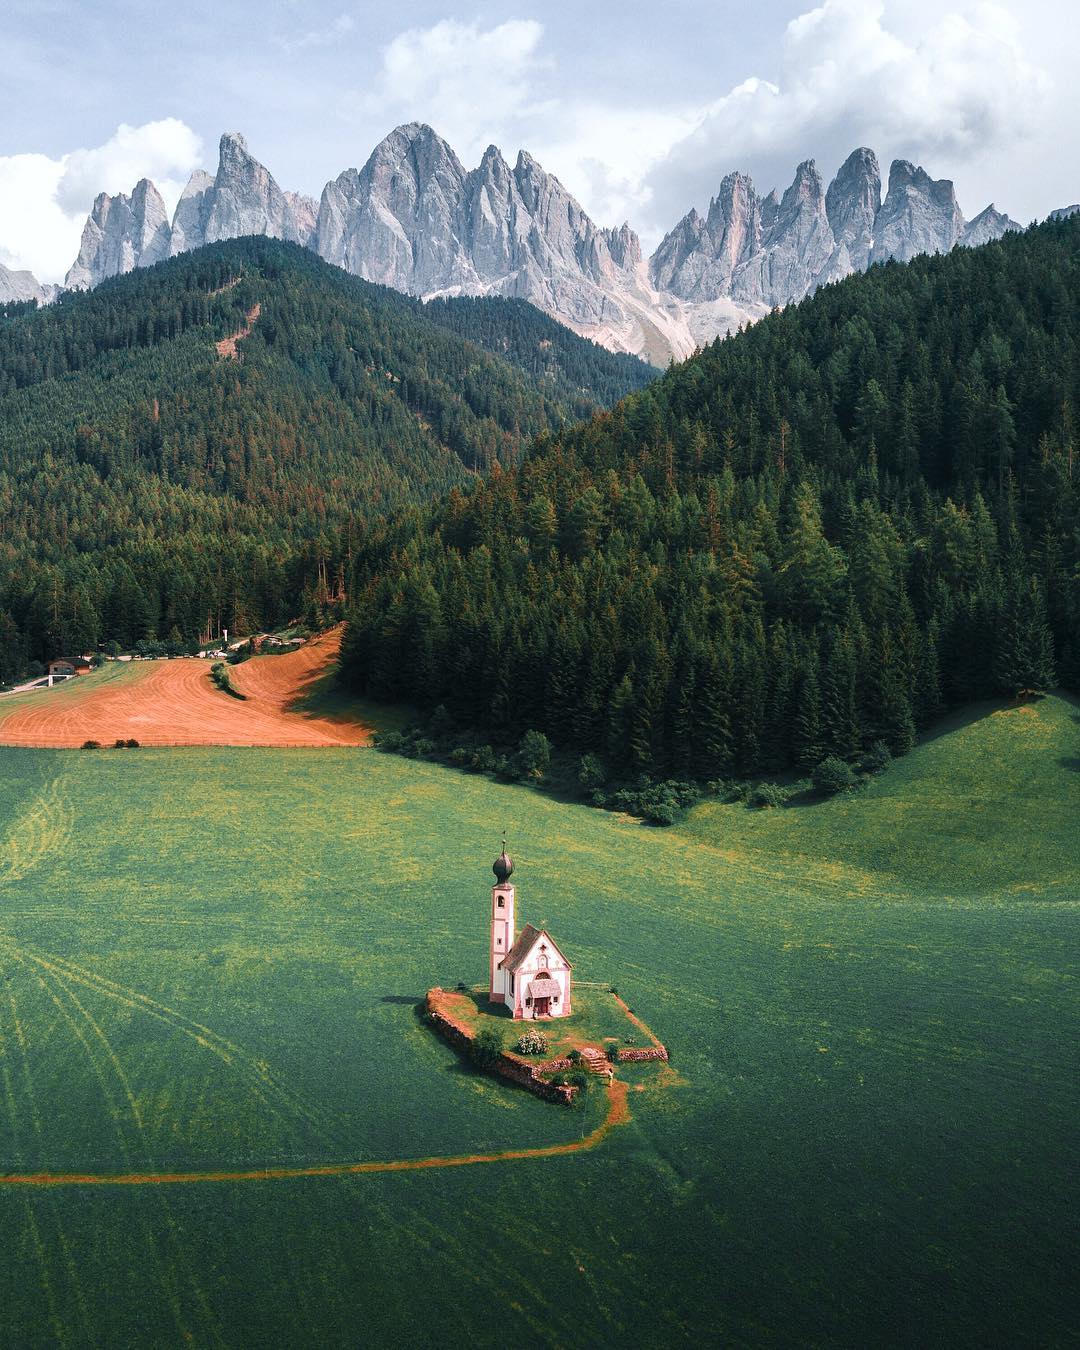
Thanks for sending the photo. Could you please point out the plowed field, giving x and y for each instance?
(176, 703)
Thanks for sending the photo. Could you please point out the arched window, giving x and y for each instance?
(499, 903)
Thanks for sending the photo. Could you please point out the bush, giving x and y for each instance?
(389, 741)
(91, 745)
(532, 1043)
(768, 794)
(534, 755)
(486, 1047)
(132, 743)
(833, 775)
(220, 677)
(120, 743)
(590, 774)
(877, 758)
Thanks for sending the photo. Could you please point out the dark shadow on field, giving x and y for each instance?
(1070, 761)
(960, 718)
(406, 1000)
(482, 1004)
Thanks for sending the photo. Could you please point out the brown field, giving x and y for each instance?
(175, 703)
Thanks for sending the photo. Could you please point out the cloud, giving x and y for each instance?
(960, 91)
(44, 202)
(326, 36)
(470, 83)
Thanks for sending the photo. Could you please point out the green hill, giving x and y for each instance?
(812, 536)
(149, 483)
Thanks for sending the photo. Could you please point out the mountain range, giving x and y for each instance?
(415, 219)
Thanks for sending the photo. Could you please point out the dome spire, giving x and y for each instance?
(503, 865)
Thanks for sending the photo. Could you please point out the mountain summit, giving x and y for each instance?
(416, 219)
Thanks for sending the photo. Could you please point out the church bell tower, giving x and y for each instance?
(502, 923)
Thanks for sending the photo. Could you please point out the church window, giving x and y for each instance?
(500, 902)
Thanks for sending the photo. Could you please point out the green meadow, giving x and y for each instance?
(210, 960)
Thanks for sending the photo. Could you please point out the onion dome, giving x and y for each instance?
(503, 866)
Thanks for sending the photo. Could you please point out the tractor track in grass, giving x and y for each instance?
(174, 703)
(618, 1113)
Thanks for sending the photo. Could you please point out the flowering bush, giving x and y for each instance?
(532, 1043)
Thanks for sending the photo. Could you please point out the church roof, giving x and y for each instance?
(526, 941)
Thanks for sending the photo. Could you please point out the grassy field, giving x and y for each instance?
(210, 959)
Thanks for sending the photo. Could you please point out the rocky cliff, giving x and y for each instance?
(416, 219)
(24, 286)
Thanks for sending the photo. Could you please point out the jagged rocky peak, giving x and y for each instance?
(920, 214)
(189, 218)
(1064, 212)
(988, 225)
(852, 204)
(395, 220)
(245, 199)
(120, 233)
(699, 258)
(22, 286)
(624, 247)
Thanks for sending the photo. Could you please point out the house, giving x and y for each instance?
(529, 972)
(66, 670)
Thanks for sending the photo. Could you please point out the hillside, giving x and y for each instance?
(813, 536)
(865, 1137)
(154, 479)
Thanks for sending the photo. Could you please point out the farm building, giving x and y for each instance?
(528, 970)
(65, 670)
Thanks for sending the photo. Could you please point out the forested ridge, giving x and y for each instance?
(810, 537)
(149, 486)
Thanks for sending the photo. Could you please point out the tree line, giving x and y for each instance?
(811, 537)
(151, 489)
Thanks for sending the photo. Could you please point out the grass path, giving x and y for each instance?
(618, 1113)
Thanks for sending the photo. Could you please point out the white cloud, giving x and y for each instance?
(471, 84)
(326, 36)
(44, 202)
(959, 92)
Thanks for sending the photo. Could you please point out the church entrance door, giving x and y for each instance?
(542, 1007)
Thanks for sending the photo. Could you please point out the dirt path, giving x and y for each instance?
(226, 348)
(618, 1113)
(175, 703)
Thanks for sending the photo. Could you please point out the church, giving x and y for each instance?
(528, 971)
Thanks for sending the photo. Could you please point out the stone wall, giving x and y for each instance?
(631, 1052)
(506, 1066)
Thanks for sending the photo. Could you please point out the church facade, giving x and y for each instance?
(529, 972)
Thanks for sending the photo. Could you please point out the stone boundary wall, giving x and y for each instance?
(631, 1052)
(506, 1066)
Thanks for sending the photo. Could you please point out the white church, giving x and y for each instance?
(528, 971)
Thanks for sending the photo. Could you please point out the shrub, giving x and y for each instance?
(612, 1052)
(132, 743)
(877, 758)
(574, 1056)
(833, 775)
(91, 745)
(389, 741)
(768, 794)
(590, 774)
(486, 1047)
(120, 743)
(220, 677)
(483, 760)
(660, 811)
(534, 755)
(532, 1043)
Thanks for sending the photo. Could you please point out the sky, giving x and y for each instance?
(639, 108)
